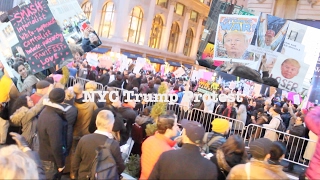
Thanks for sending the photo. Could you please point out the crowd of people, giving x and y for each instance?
(52, 120)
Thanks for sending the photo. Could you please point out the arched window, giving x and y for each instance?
(87, 9)
(188, 43)
(135, 24)
(106, 19)
(156, 31)
(174, 36)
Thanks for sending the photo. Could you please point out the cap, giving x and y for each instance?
(42, 84)
(260, 148)
(57, 95)
(277, 104)
(220, 125)
(270, 33)
(194, 130)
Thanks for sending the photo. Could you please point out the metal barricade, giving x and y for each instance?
(206, 118)
(72, 81)
(100, 87)
(82, 81)
(181, 111)
(294, 144)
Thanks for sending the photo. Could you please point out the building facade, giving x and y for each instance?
(288, 9)
(169, 30)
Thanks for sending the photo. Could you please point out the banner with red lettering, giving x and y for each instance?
(40, 36)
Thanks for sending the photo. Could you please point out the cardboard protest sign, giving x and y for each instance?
(179, 72)
(39, 35)
(234, 34)
(289, 73)
(140, 62)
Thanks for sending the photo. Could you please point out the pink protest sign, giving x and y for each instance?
(207, 76)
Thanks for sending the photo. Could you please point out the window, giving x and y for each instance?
(106, 19)
(87, 9)
(174, 36)
(8, 31)
(179, 9)
(202, 1)
(156, 31)
(194, 16)
(135, 24)
(188, 43)
(162, 3)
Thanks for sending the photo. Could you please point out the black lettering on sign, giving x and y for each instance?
(39, 35)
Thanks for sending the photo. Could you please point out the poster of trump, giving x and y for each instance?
(234, 34)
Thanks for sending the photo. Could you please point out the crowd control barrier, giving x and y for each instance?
(295, 145)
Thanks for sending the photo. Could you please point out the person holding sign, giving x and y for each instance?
(90, 38)
(290, 68)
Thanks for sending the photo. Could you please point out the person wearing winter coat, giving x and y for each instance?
(215, 139)
(52, 133)
(273, 124)
(312, 121)
(25, 114)
(294, 143)
(85, 112)
(258, 166)
(230, 154)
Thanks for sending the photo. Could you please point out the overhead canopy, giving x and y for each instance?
(100, 50)
(187, 66)
(176, 64)
(132, 55)
(156, 60)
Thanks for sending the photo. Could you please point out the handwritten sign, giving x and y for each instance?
(39, 35)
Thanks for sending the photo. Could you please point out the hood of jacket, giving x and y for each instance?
(17, 116)
(59, 107)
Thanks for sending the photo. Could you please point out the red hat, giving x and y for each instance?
(270, 33)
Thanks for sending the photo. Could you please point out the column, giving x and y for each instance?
(166, 33)
(182, 37)
(146, 28)
(121, 20)
(96, 14)
(195, 43)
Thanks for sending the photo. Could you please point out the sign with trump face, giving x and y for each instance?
(290, 73)
(234, 34)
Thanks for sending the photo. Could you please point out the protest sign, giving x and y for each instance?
(208, 51)
(139, 65)
(269, 35)
(179, 72)
(292, 73)
(296, 32)
(293, 49)
(234, 34)
(75, 25)
(207, 87)
(39, 35)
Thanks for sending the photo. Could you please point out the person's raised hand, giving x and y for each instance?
(20, 140)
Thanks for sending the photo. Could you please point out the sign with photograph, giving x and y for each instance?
(269, 35)
(234, 34)
(292, 73)
(39, 35)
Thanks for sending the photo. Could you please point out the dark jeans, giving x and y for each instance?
(51, 170)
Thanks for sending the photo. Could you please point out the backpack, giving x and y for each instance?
(206, 147)
(282, 126)
(104, 166)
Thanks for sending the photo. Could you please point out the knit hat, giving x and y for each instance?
(42, 84)
(194, 130)
(220, 125)
(260, 148)
(57, 95)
